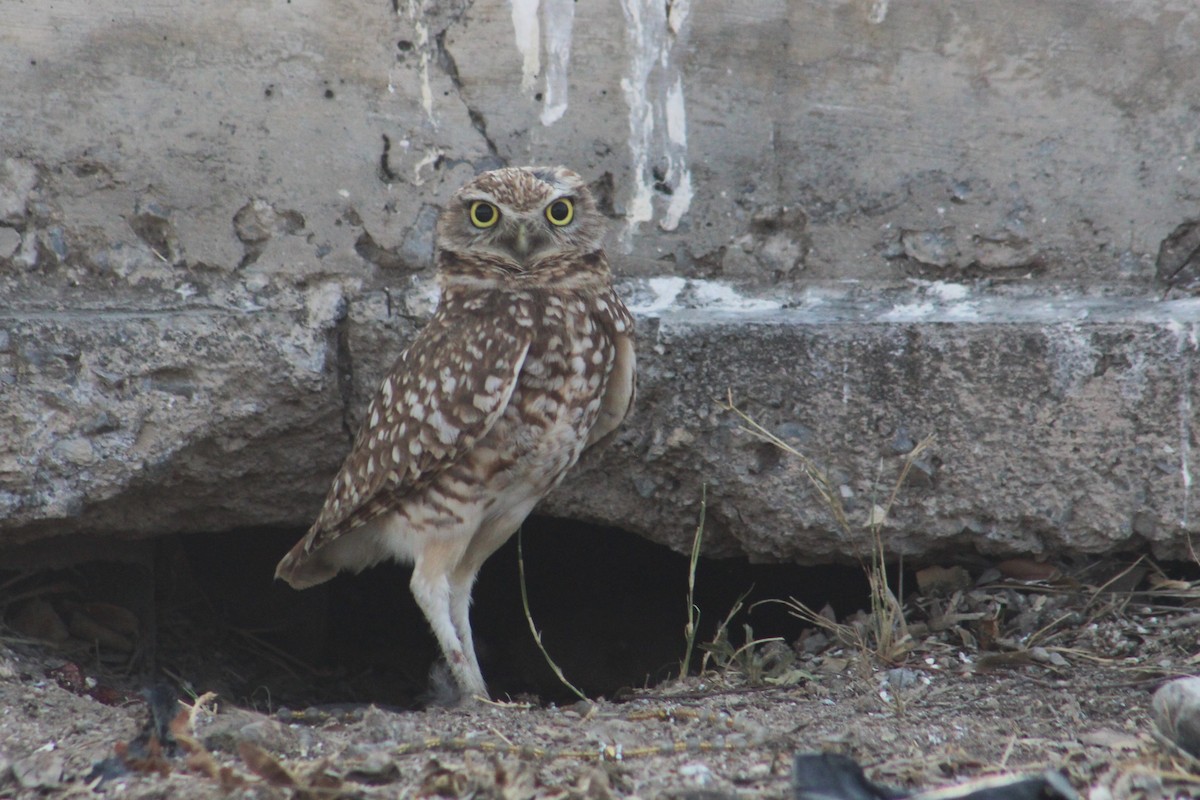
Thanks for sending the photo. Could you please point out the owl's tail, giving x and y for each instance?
(322, 554)
(302, 569)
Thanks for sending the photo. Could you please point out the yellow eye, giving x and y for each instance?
(484, 214)
(560, 212)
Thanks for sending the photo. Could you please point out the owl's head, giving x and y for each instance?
(519, 221)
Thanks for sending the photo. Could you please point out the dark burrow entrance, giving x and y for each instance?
(610, 605)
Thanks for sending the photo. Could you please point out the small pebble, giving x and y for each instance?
(1175, 708)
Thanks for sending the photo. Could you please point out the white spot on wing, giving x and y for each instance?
(446, 432)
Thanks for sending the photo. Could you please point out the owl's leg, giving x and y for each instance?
(460, 616)
(432, 589)
(490, 536)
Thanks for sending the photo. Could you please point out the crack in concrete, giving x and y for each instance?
(446, 61)
(386, 173)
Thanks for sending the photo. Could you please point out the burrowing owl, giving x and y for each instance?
(527, 362)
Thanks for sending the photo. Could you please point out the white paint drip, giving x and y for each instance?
(676, 114)
(644, 37)
(428, 160)
(528, 36)
(416, 13)
(677, 14)
(669, 293)
(909, 312)
(678, 175)
(558, 17)
(878, 12)
(1187, 341)
(681, 197)
(949, 292)
(722, 296)
(665, 291)
(681, 201)
(653, 91)
(947, 301)
(1185, 440)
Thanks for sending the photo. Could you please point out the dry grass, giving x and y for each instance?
(885, 638)
(693, 613)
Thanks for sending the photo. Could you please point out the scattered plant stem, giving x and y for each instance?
(689, 631)
(537, 636)
(722, 634)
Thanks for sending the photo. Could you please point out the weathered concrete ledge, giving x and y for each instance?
(1062, 422)
(201, 205)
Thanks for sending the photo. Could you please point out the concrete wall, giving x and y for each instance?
(871, 221)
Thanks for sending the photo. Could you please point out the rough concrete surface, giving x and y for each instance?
(869, 221)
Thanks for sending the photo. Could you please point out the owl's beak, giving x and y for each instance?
(521, 244)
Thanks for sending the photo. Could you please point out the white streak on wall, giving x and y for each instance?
(416, 13)
(723, 297)
(653, 91)
(429, 159)
(677, 13)
(676, 114)
(878, 12)
(671, 293)
(1185, 439)
(665, 293)
(643, 31)
(679, 177)
(558, 17)
(528, 36)
(949, 292)
(1186, 345)
(681, 201)
(677, 169)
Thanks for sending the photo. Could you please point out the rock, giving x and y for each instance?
(42, 769)
(1175, 708)
(814, 643)
(10, 240)
(942, 580)
(77, 451)
(223, 732)
(377, 768)
(934, 248)
(1178, 262)
(17, 181)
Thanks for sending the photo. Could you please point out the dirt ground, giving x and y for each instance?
(1014, 676)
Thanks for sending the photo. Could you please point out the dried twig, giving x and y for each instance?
(537, 636)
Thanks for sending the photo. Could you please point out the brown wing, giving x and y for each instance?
(621, 387)
(442, 395)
